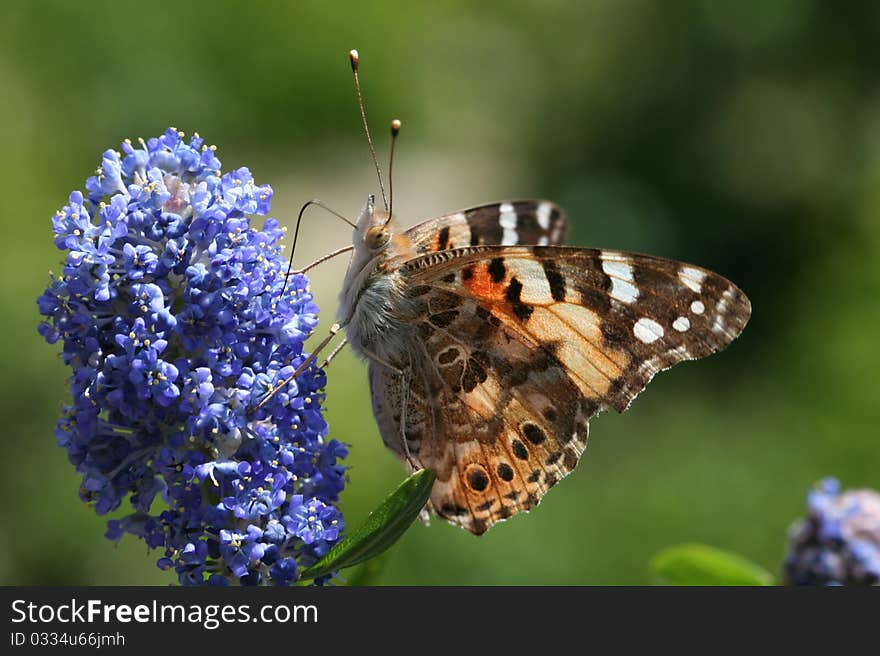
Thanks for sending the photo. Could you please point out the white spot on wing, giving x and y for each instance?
(648, 330)
(508, 216)
(681, 324)
(543, 241)
(721, 307)
(722, 312)
(697, 307)
(508, 222)
(621, 274)
(543, 215)
(692, 278)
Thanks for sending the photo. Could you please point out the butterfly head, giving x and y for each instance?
(373, 231)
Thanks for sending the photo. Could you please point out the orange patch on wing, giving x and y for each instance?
(482, 286)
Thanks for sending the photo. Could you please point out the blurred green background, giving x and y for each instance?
(740, 136)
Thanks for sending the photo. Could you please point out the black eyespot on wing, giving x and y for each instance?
(477, 479)
(533, 433)
(505, 472)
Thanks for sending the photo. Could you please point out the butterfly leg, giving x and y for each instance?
(334, 353)
(335, 328)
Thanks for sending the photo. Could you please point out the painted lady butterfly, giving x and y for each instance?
(490, 346)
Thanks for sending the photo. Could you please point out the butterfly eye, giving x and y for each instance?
(376, 237)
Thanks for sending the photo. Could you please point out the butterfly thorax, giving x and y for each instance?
(373, 304)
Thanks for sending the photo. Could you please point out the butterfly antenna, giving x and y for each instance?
(299, 217)
(395, 130)
(353, 56)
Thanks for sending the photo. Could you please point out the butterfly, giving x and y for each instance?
(490, 345)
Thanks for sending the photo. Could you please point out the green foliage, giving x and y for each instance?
(368, 572)
(700, 564)
(383, 527)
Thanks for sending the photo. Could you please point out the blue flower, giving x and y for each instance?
(170, 313)
(313, 520)
(284, 569)
(139, 261)
(838, 543)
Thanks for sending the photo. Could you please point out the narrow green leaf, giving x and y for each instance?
(384, 526)
(700, 564)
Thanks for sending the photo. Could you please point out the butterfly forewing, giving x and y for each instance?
(508, 223)
(520, 346)
(626, 312)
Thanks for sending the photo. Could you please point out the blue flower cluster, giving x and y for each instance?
(173, 322)
(838, 543)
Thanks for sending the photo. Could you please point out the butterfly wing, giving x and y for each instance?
(538, 222)
(519, 346)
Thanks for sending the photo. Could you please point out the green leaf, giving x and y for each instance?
(700, 564)
(384, 526)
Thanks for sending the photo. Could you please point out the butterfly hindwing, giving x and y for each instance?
(538, 222)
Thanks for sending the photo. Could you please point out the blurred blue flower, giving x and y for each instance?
(838, 543)
(170, 313)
